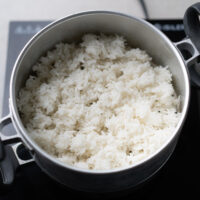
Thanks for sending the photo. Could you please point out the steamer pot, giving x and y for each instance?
(181, 57)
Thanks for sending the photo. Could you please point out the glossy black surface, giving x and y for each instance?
(178, 178)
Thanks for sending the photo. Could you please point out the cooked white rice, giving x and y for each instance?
(99, 104)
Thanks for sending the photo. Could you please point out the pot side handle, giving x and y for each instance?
(192, 24)
(190, 46)
(10, 147)
(7, 160)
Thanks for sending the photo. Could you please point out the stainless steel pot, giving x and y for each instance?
(140, 33)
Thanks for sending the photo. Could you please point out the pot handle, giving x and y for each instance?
(9, 158)
(192, 24)
(190, 46)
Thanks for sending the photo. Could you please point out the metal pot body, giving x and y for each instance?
(139, 33)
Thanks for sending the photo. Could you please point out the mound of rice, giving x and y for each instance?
(99, 104)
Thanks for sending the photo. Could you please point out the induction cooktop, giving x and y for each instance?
(180, 175)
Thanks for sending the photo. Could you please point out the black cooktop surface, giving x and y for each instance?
(178, 178)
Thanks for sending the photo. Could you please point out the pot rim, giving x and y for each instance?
(37, 149)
